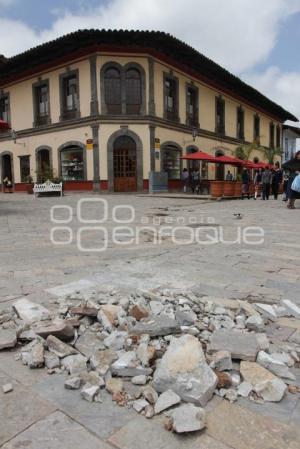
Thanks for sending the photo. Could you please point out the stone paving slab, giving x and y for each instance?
(141, 433)
(242, 429)
(102, 419)
(16, 370)
(18, 410)
(54, 431)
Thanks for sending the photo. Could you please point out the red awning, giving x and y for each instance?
(200, 156)
(4, 125)
(230, 160)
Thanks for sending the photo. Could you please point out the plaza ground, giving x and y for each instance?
(32, 266)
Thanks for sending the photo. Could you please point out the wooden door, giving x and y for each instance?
(125, 170)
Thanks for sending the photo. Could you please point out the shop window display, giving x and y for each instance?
(72, 164)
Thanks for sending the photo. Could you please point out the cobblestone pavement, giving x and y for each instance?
(39, 413)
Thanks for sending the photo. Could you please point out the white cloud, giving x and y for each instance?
(282, 87)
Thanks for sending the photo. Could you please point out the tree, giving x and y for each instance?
(270, 153)
(244, 151)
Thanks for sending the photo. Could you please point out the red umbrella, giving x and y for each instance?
(4, 125)
(200, 156)
(229, 160)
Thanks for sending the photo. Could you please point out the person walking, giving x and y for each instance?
(276, 180)
(245, 183)
(293, 166)
(257, 183)
(185, 179)
(266, 180)
(195, 178)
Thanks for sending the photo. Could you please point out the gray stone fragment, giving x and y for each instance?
(7, 388)
(140, 405)
(51, 360)
(30, 312)
(128, 366)
(184, 370)
(244, 389)
(271, 390)
(8, 339)
(275, 366)
(295, 337)
(185, 317)
(60, 348)
(88, 343)
(60, 329)
(291, 308)
(263, 342)
(89, 392)
(73, 383)
(266, 310)
(139, 380)
(37, 356)
(101, 360)
(255, 323)
(156, 326)
(74, 364)
(166, 400)
(116, 340)
(187, 418)
(221, 361)
(242, 346)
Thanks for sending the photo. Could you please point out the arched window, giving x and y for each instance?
(133, 91)
(72, 163)
(112, 90)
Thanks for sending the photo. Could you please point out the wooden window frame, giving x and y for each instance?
(240, 127)
(66, 114)
(192, 121)
(6, 96)
(39, 120)
(174, 114)
(220, 128)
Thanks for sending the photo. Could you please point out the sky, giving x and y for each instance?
(257, 40)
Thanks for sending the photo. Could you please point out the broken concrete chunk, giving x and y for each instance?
(88, 343)
(166, 400)
(128, 366)
(111, 312)
(275, 366)
(7, 388)
(263, 342)
(150, 394)
(140, 405)
(255, 323)
(73, 383)
(242, 346)
(138, 312)
(295, 337)
(244, 389)
(30, 312)
(139, 380)
(221, 361)
(89, 393)
(156, 326)
(253, 373)
(8, 338)
(291, 308)
(184, 370)
(59, 348)
(185, 317)
(92, 378)
(266, 310)
(101, 360)
(74, 364)
(37, 356)
(114, 386)
(116, 340)
(62, 330)
(187, 418)
(84, 311)
(51, 360)
(271, 390)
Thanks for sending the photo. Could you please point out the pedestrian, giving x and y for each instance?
(266, 180)
(185, 179)
(245, 183)
(293, 165)
(195, 178)
(257, 183)
(285, 185)
(229, 176)
(276, 180)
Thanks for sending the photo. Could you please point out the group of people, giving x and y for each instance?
(266, 181)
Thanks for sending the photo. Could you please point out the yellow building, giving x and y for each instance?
(101, 109)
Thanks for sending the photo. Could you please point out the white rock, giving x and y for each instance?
(140, 405)
(271, 390)
(116, 340)
(291, 308)
(231, 394)
(166, 400)
(263, 342)
(221, 361)
(244, 389)
(89, 392)
(255, 323)
(74, 364)
(128, 366)
(8, 338)
(275, 366)
(266, 310)
(30, 312)
(7, 388)
(139, 380)
(188, 418)
(73, 383)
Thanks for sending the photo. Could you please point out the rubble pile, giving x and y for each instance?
(159, 351)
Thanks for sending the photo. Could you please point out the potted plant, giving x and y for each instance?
(29, 185)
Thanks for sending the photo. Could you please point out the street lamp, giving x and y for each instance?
(194, 134)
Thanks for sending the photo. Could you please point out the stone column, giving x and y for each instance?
(94, 105)
(151, 102)
(152, 147)
(96, 157)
